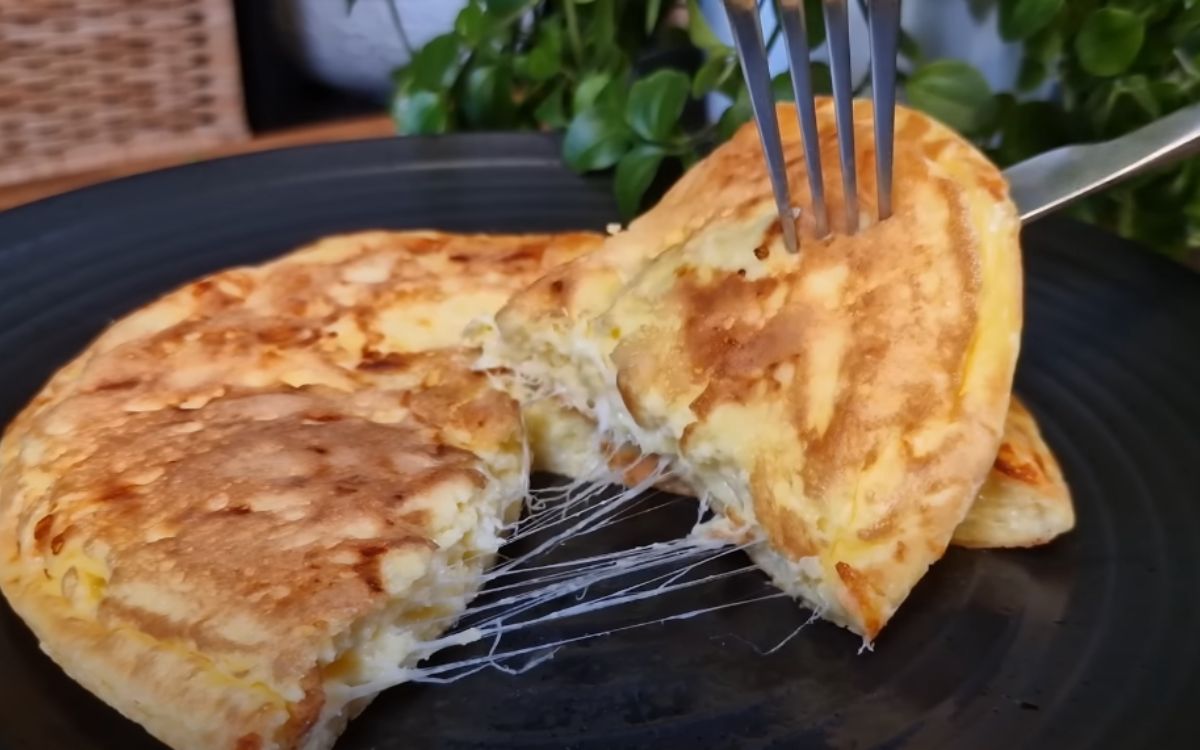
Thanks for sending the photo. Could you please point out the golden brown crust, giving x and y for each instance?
(855, 394)
(1025, 500)
(197, 509)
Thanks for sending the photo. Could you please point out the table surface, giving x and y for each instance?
(343, 130)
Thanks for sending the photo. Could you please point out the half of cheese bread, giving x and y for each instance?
(271, 487)
(841, 408)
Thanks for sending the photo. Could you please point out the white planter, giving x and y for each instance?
(357, 51)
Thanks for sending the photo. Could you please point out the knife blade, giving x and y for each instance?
(1056, 178)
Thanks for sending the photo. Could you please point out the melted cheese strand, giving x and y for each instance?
(542, 652)
(529, 589)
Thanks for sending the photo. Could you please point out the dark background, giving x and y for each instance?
(279, 94)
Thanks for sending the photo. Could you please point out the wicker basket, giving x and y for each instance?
(85, 84)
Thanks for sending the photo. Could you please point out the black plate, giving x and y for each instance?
(1091, 642)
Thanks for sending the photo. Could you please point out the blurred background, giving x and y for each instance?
(638, 89)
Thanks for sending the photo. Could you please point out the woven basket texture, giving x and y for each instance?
(86, 84)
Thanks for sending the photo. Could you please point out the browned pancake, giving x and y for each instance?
(1025, 500)
(270, 486)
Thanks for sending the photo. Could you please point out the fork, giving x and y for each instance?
(884, 28)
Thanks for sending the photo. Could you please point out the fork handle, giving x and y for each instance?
(1062, 176)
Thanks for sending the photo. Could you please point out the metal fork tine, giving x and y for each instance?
(885, 28)
(795, 36)
(747, 37)
(837, 30)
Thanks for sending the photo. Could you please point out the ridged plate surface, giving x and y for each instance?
(1091, 642)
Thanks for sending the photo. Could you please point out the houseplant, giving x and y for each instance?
(574, 65)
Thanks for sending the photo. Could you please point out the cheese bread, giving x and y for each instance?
(840, 408)
(270, 487)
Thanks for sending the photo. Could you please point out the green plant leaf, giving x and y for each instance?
(1189, 62)
(1191, 208)
(507, 9)
(979, 9)
(550, 36)
(609, 57)
(734, 116)
(1142, 217)
(1028, 129)
(653, 9)
(1046, 45)
(1002, 105)
(1031, 74)
(635, 172)
(1172, 94)
(544, 61)
(1187, 22)
(1173, 187)
(1153, 55)
(551, 113)
(594, 140)
(541, 65)
(602, 30)
(699, 31)
(1153, 10)
(1098, 110)
(420, 112)
(781, 88)
(485, 100)
(589, 90)
(715, 70)
(735, 82)
(954, 92)
(1109, 41)
(1187, 49)
(435, 66)
(822, 79)
(1085, 210)
(1138, 88)
(656, 103)
(1122, 104)
(402, 79)
(814, 23)
(615, 95)
(478, 95)
(471, 23)
(909, 47)
(1021, 19)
